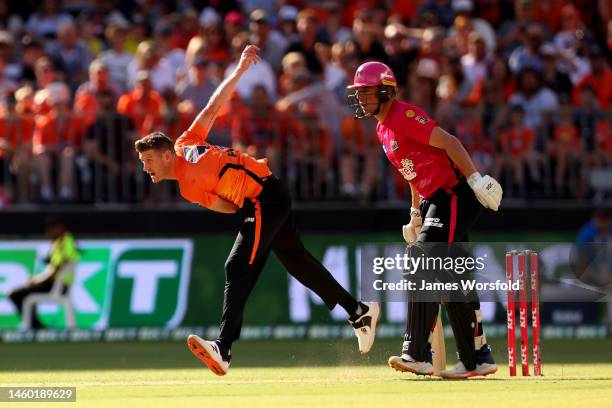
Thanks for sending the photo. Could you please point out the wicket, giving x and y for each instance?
(523, 272)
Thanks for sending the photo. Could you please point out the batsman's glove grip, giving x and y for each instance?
(412, 230)
(487, 190)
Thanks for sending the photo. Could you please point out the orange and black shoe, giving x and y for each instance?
(210, 354)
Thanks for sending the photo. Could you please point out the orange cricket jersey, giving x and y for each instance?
(205, 171)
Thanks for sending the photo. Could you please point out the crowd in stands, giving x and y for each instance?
(524, 84)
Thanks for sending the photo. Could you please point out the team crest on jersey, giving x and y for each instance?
(410, 113)
(407, 169)
(394, 145)
(422, 120)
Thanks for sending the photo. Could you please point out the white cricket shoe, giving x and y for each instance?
(365, 326)
(407, 364)
(208, 352)
(459, 372)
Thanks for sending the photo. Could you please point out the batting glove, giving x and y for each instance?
(412, 230)
(487, 190)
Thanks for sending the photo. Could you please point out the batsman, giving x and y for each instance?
(448, 194)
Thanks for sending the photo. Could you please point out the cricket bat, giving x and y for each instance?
(437, 345)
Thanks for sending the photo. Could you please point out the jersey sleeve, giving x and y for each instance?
(195, 135)
(412, 123)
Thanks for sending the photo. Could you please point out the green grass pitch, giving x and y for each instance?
(316, 373)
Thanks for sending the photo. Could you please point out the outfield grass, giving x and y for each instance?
(298, 374)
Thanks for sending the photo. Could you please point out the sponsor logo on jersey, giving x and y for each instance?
(410, 113)
(432, 222)
(394, 145)
(407, 169)
(421, 120)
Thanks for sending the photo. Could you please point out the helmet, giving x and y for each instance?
(373, 73)
(376, 74)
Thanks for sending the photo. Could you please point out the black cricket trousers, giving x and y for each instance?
(448, 216)
(269, 225)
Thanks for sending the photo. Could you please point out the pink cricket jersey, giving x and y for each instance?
(404, 136)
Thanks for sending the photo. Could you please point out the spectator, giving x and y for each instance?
(455, 89)
(45, 76)
(85, 100)
(400, 52)
(527, 55)
(216, 49)
(475, 62)
(31, 51)
(336, 32)
(512, 30)
(63, 254)
(308, 29)
(499, 72)
(313, 153)
(553, 78)
(565, 150)
(518, 153)
(359, 159)
(365, 36)
(108, 163)
(463, 14)
(15, 150)
(271, 43)
(117, 58)
(148, 58)
(292, 63)
(69, 55)
(139, 31)
(538, 101)
(234, 22)
(586, 117)
(431, 44)
(305, 88)
(12, 68)
(469, 131)
(599, 79)
(44, 23)
(493, 110)
(56, 140)
(88, 35)
(166, 38)
(423, 85)
(196, 87)
(287, 16)
(440, 9)
(177, 115)
(10, 21)
(228, 122)
(143, 105)
(264, 131)
(7, 87)
(259, 74)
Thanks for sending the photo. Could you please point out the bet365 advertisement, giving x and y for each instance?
(118, 283)
(179, 283)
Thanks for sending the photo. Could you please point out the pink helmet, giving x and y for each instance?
(373, 73)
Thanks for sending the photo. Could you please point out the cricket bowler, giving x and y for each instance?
(449, 191)
(229, 181)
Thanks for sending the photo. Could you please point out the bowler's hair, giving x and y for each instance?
(156, 141)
